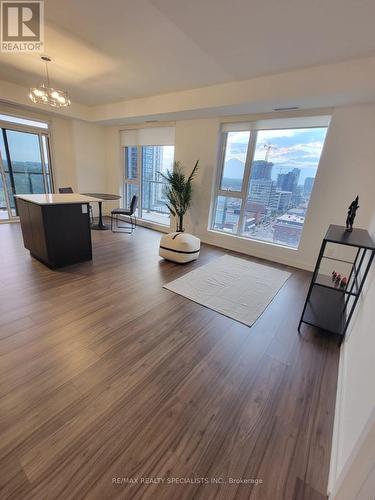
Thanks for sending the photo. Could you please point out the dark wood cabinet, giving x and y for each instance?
(56, 234)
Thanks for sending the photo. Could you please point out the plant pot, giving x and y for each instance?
(179, 247)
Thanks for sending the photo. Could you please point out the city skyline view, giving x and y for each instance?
(290, 148)
(272, 205)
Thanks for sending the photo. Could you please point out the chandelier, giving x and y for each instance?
(45, 94)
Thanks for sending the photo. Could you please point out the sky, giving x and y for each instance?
(168, 157)
(22, 146)
(290, 148)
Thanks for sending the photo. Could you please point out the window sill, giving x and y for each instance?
(154, 225)
(254, 240)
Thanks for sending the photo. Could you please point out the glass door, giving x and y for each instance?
(25, 167)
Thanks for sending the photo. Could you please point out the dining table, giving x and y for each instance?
(100, 226)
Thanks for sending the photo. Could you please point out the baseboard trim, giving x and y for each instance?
(206, 241)
(337, 424)
(259, 255)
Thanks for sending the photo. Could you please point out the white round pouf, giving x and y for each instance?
(179, 247)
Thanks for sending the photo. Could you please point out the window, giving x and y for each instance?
(234, 160)
(143, 167)
(25, 164)
(266, 180)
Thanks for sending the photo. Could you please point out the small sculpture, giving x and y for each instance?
(352, 210)
(344, 282)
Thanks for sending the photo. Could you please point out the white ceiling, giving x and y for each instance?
(105, 51)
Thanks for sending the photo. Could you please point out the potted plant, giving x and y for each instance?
(179, 192)
(179, 246)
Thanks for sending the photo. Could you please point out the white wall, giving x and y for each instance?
(78, 149)
(87, 156)
(64, 167)
(90, 156)
(355, 391)
(62, 145)
(356, 480)
(346, 169)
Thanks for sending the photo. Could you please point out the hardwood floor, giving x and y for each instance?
(107, 379)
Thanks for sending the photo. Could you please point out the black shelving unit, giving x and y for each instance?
(328, 306)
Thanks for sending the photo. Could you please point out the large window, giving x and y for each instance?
(143, 166)
(266, 180)
(25, 165)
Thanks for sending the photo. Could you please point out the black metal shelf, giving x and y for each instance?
(327, 306)
(324, 310)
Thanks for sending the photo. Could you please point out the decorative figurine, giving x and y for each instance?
(334, 274)
(344, 282)
(352, 210)
(338, 279)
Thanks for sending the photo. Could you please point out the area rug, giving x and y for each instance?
(235, 287)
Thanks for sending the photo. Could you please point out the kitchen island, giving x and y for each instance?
(56, 227)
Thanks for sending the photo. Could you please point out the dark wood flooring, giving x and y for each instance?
(108, 381)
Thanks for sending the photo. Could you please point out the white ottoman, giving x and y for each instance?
(179, 247)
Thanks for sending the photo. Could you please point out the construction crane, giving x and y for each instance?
(268, 147)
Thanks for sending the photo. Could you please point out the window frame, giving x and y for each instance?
(40, 132)
(322, 122)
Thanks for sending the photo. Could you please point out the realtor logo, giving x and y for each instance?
(22, 26)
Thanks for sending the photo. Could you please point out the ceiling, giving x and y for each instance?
(122, 49)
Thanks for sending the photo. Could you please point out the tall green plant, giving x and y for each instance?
(178, 192)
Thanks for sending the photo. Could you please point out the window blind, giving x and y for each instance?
(155, 136)
(278, 123)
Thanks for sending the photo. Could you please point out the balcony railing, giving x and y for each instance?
(153, 199)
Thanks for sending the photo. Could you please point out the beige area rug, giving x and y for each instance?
(235, 287)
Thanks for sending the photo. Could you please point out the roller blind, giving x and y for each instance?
(278, 123)
(155, 136)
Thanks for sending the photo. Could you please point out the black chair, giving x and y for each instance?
(117, 213)
(69, 190)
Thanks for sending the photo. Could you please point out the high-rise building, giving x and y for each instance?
(283, 200)
(261, 169)
(262, 191)
(152, 160)
(131, 162)
(297, 197)
(289, 181)
(308, 185)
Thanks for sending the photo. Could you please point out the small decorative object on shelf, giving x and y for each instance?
(352, 211)
(344, 282)
(331, 299)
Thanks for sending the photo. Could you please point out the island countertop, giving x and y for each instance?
(56, 199)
